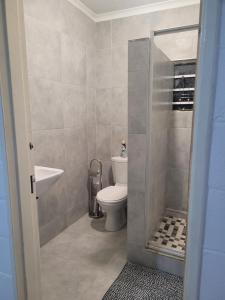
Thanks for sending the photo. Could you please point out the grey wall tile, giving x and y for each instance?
(120, 66)
(48, 12)
(54, 201)
(49, 148)
(91, 141)
(177, 189)
(189, 138)
(46, 104)
(159, 126)
(103, 106)
(104, 61)
(61, 43)
(91, 106)
(179, 159)
(76, 24)
(139, 55)
(136, 220)
(137, 110)
(139, 80)
(103, 143)
(130, 28)
(69, 40)
(177, 17)
(104, 69)
(179, 45)
(181, 119)
(103, 38)
(43, 50)
(179, 139)
(103, 80)
(91, 66)
(51, 229)
(76, 147)
(107, 178)
(137, 162)
(158, 199)
(91, 123)
(179, 152)
(73, 61)
(74, 106)
(138, 85)
(42, 211)
(159, 150)
(77, 193)
(119, 106)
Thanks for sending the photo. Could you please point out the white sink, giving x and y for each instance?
(45, 178)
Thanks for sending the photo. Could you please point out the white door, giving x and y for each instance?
(14, 86)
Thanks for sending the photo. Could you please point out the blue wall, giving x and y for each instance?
(213, 264)
(7, 278)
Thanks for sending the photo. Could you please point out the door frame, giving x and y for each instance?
(16, 114)
(18, 136)
(201, 145)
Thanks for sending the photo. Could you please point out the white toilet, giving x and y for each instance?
(113, 199)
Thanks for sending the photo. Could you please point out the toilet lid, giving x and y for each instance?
(112, 194)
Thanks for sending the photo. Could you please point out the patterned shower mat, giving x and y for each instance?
(136, 282)
(171, 236)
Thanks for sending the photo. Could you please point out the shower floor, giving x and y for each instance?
(170, 238)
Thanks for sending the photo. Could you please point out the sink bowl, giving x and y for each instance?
(45, 178)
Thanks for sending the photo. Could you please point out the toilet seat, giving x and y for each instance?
(112, 194)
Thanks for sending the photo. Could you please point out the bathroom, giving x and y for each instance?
(84, 77)
(80, 91)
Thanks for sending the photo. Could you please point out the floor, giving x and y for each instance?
(82, 262)
(138, 282)
(170, 236)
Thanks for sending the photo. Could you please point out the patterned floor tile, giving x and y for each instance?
(171, 235)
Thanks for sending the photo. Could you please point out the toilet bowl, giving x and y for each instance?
(113, 199)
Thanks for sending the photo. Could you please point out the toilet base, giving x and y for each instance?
(115, 219)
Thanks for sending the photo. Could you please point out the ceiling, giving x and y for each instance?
(106, 6)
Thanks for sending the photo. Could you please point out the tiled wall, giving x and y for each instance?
(213, 268)
(137, 142)
(138, 89)
(7, 280)
(78, 92)
(179, 46)
(60, 51)
(112, 70)
(179, 152)
(159, 109)
(147, 201)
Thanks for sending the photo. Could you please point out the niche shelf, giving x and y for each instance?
(184, 84)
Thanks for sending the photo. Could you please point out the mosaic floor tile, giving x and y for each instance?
(171, 236)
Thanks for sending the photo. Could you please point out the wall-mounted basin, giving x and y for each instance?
(45, 178)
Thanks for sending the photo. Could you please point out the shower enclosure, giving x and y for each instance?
(160, 107)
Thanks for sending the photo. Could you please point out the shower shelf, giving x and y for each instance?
(184, 84)
(183, 102)
(183, 89)
(185, 76)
